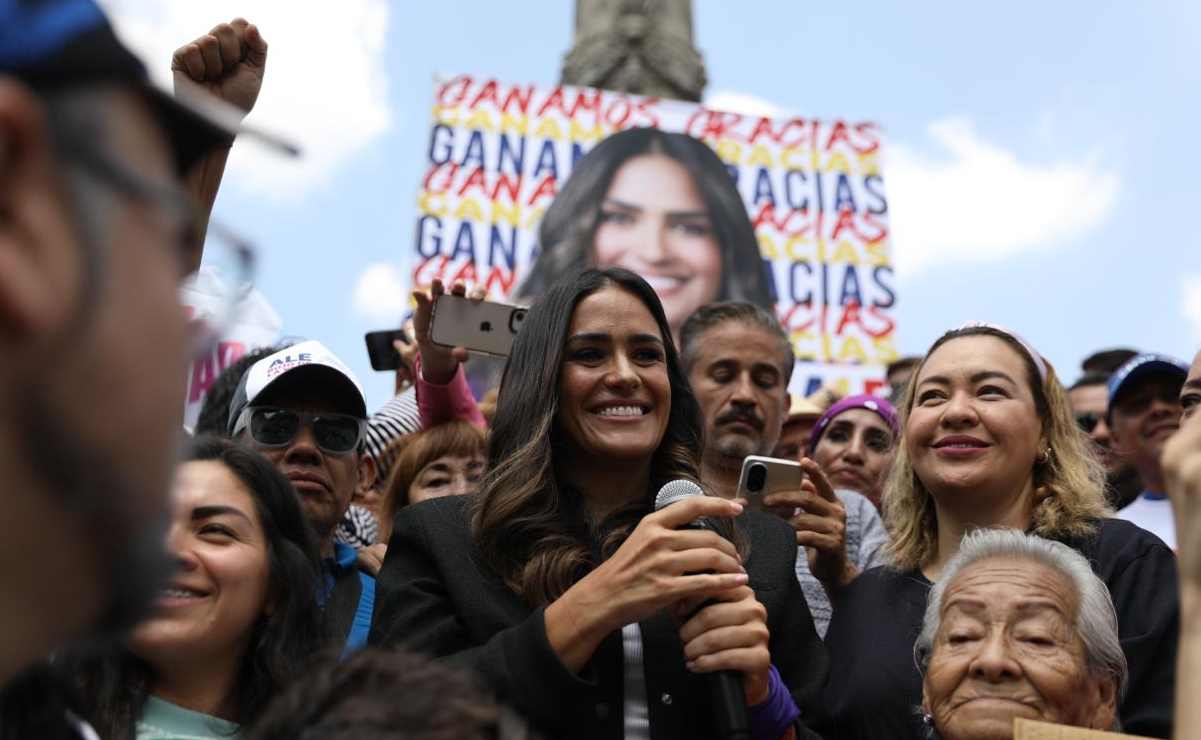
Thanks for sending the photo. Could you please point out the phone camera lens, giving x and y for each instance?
(756, 477)
(486, 326)
(515, 319)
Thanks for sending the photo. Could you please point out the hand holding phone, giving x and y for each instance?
(764, 476)
(439, 363)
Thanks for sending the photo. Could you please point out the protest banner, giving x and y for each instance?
(499, 154)
(254, 324)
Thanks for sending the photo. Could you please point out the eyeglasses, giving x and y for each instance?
(274, 427)
(216, 293)
(1088, 421)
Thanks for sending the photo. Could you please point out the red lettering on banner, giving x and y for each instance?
(705, 123)
(206, 369)
(847, 220)
(546, 189)
(511, 186)
(475, 179)
(554, 100)
(587, 100)
(620, 104)
(487, 93)
(786, 224)
(837, 134)
(518, 98)
(429, 270)
(887, 324)
(500, 278)
(798, 126)
(448, 172)
(466, 273)
(454, 92)
(645, 106)
(764, 128)
(868, 131)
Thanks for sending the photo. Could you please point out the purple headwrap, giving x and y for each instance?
(880, 406)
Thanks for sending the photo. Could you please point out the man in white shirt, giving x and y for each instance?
(1144, 412)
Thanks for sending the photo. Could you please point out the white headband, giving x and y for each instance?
(1035, 357)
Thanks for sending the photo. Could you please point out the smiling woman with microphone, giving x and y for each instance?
(562, 588)
(988, 439)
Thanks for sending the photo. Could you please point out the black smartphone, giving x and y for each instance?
(380, 350)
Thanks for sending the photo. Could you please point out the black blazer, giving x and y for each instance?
(436, 596)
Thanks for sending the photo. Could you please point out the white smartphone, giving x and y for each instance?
(763, 476)
(480, 326)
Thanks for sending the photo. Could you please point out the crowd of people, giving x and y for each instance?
(572, 556)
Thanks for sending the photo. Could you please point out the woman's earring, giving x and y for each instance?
(1044, 457)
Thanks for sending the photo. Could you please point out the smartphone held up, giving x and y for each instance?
(479, 326)
(763, 476)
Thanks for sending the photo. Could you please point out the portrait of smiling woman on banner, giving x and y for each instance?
(664, 206)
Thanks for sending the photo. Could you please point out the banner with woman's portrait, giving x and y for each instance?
(524, 183)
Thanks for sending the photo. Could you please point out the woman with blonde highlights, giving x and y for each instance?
(988, 440)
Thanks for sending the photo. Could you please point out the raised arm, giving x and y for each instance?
(227, 62)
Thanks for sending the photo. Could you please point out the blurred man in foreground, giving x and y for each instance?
(97, 231)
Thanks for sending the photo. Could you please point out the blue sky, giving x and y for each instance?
(1040, 157)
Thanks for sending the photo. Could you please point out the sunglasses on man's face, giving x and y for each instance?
(275, 427)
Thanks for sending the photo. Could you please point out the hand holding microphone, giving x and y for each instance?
(726, 637)
(658, 566)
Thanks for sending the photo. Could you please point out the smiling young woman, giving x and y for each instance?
(558, 584)
(989, 440)
(237, 620)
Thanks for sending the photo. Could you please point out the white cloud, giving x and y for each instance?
(975, 201)
(381, 293)
(325, 86)
(737, 102)
(1190, 303)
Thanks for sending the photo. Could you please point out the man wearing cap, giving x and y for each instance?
(739, 362)
(304, 409)
(1144, 412)
(97, 232)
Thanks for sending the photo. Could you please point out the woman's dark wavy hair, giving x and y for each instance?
(528, 524)
(567, 230)
(113, 683)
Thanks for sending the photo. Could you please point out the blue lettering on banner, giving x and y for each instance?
(870, 184)
(878, 276)
(547, 161)
(475, 150)
(763, 191)
(798, 200)
(440, 152)
(434, 233)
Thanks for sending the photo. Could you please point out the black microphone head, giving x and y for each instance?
(674, 490)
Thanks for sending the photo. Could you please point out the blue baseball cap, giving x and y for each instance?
(1140, 367)
(59, 44)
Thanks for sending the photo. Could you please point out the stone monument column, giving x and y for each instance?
(636, 46)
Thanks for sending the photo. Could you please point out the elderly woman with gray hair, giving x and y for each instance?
(1018, 626)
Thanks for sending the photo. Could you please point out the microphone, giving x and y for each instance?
(725, 687)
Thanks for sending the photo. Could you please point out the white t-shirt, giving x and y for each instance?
(1152, 512)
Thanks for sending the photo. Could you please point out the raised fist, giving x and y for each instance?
(228, 62)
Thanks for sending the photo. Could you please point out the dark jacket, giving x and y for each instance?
(435, 596)
(875, 687)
